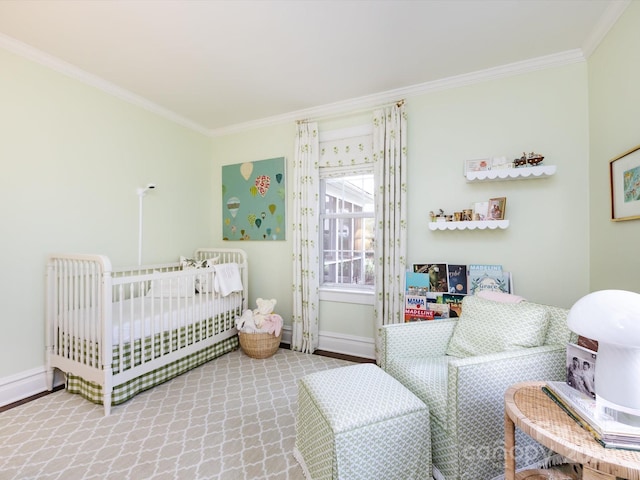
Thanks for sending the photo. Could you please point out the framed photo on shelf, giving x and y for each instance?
(499, 163)
(480, 211)
(478, 165)
(624, 174)
(497, 207)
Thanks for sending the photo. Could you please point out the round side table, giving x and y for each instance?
(532, 411)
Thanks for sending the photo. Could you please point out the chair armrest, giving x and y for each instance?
(476, 385)
(415, 339)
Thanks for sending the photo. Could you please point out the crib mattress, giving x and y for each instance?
(166, 314)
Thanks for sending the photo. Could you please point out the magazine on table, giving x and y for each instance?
(610, 428)
(581, 369)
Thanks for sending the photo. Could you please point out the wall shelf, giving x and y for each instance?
(522, 173)
(479, 225)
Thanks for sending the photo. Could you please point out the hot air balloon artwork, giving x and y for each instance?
(253, 200)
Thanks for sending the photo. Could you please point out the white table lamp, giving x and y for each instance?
(612, 317)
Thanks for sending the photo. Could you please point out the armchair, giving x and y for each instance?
(461, 369)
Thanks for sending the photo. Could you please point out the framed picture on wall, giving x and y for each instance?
(497, 207)
(624, 174)
(254, 200)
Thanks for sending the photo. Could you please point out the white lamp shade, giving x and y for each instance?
(612, 317)
(609, 316)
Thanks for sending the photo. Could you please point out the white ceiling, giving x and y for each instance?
(216, 65)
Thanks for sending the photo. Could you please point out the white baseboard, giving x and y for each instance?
(363, 347)
(24, 385)
(347, 344)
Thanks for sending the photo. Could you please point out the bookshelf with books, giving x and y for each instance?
(442, 287)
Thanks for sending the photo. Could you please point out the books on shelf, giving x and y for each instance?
(612, 429)
(455, 303)
(488, 277)
(439, 310)
(581, 369)
(417, 283)
(457, 279)
(445, 285)
(437, 273)
(415, 308)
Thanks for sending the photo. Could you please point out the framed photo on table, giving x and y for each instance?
(624, 175)
(497, 207)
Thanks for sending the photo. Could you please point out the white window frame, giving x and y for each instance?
(344, 293)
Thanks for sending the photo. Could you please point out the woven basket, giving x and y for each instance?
(259, 345)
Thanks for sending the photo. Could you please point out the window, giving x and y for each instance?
(347, 228)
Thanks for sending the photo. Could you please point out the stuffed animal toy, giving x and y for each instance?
(260, 320)
(245, 322)
(265, 308)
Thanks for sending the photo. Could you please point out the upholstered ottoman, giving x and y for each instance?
(358, 422)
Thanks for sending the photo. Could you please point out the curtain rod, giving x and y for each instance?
(397, 103)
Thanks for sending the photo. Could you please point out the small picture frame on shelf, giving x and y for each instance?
(478, 165)
(480, 211)
(500, 163)
(624, 173)
(497, 207)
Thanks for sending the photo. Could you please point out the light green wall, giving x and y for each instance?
(614, 103)
(545, 246)
(71, 159)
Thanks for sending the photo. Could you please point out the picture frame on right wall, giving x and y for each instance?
(624, 175)
(497, 207)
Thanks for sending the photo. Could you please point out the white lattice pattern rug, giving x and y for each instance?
(230, 419)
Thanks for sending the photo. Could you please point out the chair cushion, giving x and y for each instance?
(426, 378)
(487, 327)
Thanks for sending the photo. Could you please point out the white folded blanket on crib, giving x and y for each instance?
(227, 278)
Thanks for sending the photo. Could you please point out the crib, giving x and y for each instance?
(115, 332)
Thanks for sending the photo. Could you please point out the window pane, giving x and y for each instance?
(349, 194)
(347, 221)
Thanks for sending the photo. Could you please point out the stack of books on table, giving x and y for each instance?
(612, 429)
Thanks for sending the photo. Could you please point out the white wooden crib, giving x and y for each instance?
(115, 332)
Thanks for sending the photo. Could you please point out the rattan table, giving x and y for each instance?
(532, 411)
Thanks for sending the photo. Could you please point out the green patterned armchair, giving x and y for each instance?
(461, 369)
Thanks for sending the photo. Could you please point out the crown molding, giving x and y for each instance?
(611, 15)
(372, 101)
(351, 106)
(54, 63)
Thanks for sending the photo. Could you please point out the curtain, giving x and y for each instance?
(390, 155)
(304, 336)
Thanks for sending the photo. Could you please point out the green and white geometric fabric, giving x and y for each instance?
(359, 423)
(466, 395)
(487, 326)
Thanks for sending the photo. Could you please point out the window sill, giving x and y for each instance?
(362, 297)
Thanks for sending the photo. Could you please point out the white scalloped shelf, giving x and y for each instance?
(480, 225)
(522, 173)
